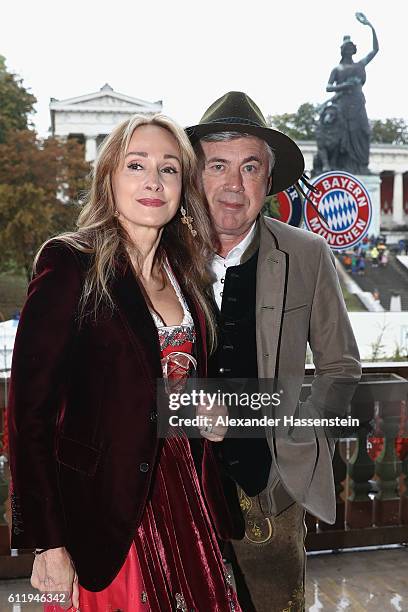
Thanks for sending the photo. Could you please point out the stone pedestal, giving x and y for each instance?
(372, 182)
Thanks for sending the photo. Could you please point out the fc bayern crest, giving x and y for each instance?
(290, 206)
(344, 203)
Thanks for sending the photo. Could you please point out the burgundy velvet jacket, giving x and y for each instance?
(82, 419)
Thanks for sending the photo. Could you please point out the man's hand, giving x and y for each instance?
(214, 433)
(53, 571)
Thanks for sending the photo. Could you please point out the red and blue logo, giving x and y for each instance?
(290, 206)
(345, 205)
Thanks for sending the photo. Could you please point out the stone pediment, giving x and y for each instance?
(106, 100)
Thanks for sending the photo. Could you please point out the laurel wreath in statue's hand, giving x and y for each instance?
(362, 19)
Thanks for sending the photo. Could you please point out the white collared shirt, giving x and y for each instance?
(220, 264)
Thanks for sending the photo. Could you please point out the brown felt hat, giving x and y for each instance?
(236, 112)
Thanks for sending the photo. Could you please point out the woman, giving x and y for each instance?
(117, 515)
(347, 80)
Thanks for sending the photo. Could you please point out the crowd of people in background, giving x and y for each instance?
(373, 249)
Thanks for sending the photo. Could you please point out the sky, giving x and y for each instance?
(190, 53)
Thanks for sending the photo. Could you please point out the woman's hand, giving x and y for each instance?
(212, 431)
(53, 571)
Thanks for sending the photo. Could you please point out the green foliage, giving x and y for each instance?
(57, 166)
(300, 125)
(392, 131)
(25, 216)
(271, 207)
(377, 347)
(13, 291)
(16, 103)
(39, 184)
(39, 179)
(400, 353)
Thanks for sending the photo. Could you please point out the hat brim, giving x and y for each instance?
(289, 164)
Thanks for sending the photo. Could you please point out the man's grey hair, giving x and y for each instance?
(222, 136)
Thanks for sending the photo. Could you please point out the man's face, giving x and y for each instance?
(235, 179)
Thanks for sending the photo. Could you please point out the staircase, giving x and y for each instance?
(391, 278)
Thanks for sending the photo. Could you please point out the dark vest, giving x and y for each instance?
(235, 356)
(246, 460)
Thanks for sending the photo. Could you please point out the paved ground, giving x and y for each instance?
(374, 581)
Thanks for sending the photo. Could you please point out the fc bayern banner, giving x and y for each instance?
(345, 205)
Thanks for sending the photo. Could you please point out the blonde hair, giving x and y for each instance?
(100, 233)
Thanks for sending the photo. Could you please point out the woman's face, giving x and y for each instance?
(147, 186)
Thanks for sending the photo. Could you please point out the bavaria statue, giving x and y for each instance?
(343, 133)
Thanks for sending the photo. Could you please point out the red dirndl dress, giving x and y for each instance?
(174, 562)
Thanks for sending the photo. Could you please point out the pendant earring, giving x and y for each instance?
(187, 220)
(116, 213)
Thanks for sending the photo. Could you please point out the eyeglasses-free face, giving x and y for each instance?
(147, 185)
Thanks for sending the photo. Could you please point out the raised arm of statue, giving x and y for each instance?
(363, 19)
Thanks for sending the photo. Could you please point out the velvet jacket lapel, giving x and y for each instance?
(135, 316)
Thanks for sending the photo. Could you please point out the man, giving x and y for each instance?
(276, 288)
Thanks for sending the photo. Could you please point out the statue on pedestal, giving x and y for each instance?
(343, 133)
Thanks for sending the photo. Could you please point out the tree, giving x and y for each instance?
(16, 103)
(300, 125)
(392, 131)
(40, 180)
(25, 215)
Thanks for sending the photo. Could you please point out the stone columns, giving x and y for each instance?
(90, 148)
(372, 183)
(398, 199)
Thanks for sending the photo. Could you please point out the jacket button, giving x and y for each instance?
(144, 467)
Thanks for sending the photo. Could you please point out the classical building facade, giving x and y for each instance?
(390, 162)
(91, 117)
